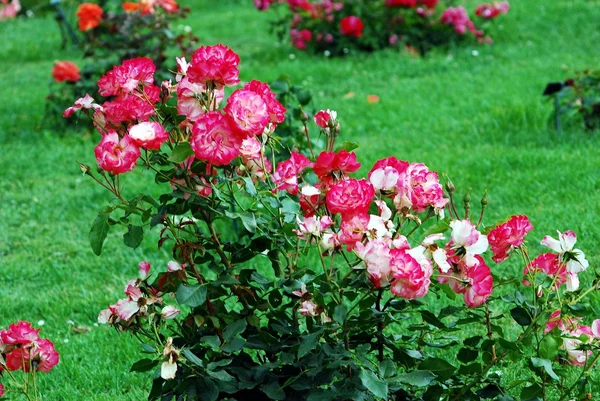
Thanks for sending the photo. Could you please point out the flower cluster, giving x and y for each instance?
(284, 257)
(22, 349)
(110, 37)
(9, 9)
(337, 26)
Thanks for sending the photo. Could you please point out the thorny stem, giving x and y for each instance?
(379, 328)
(490, 333)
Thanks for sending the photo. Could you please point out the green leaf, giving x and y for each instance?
(466, 355)
(339, 313)
(521, 316)
(189, 355)
(375, 385)
(489, 391)
(99, 231)
(212, 341)
(191, 295)
(440, 367)
(273, 391)
(233, 329)
(250, 188)
(248, 219)
(549, 348)
(348, 146)
(418, 378)
(182, 151)
(134, 236)
(441, 227)
(321, 395)
(143, 365)
(234, 345)
(207, 389)
(532, 391)
(546, 365)
(221, 375)
(308, 343)
(430, 318)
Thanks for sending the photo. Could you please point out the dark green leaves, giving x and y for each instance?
(418, 378)
(181, 152)
(308, 343)
(134, 236)
(99, 231)
(339, 314)
(375, 385)
(549, 348)
(235, 328)
(521, 316)
(191, 295)
(439, 367)
(143, 365)
(545, 365)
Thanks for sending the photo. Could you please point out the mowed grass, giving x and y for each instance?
(472, 112)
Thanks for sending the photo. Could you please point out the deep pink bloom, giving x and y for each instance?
(1, 389)
(127, 77)
(131, 108)
(116, 155)
(287, 171)
(20, 333)
(41, 355)
(411, 271)
(148, 135)
(459, 18)
(492, 10)
(322, 118)
(274, 107)
(352, 26)
(481, 284)
(248, 111)
(377, 257)
(419, 188)
(548, 264)
(215, 139)
(217, 65)
(401, 3)
(350, 196)
(333, 167)
(507, 236)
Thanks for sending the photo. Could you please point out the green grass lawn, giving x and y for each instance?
(472, 112)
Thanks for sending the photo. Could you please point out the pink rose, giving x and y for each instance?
(144, 269)
(217, 65)
(215, 139)
(350, 196)
(411, 272)
(148, 135)
(274, 107)
(507, 236)
(127, 77)
(248, 111)
(377, 257)
(352, 26)
(20, 333)
(333, 167)
(548, 264)
(419, 189)
(353, 228)
(322, 118)
(287, 172)
(116, 155)
(169, 312)
(188, 103)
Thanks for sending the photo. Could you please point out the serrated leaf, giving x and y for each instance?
(439, 367)
(249, 186)
(134, 236)
(339, 313)
(549, 348)
(190, 356)
(143, 365)
(233, 329)
(273, 391)
(374, 384)
(308, 343)
(182, 151)
(418, 378)
(191, 295)
(98, 232)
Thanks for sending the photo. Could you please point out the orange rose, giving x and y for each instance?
(130, 7)
(89, 15)
(65, 71)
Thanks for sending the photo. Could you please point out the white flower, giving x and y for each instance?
(573, 258)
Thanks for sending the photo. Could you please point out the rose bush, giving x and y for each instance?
(9, 9)
(23, 353)
(577, 98)
(112, 33)
(335, 27)
(290, 279)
